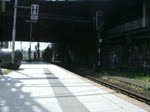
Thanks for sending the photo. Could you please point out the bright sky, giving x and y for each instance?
(25, 45)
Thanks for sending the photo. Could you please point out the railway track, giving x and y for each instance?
(122, 90)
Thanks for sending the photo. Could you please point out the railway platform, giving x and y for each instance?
(42, 87)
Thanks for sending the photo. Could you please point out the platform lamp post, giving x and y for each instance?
(31, 25)
(30, 41)
(33, 19)
(14, 31)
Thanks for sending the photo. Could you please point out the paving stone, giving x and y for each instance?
(48, 88)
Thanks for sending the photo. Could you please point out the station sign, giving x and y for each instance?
(34, 12)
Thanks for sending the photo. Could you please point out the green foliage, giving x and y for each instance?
(25, 58)
(7, 72)
(133, 75)
(117, 90)
(146, 87)
(102, 74)
(96, 74)
(145, 79)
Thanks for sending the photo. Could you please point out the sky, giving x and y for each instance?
(25, 45)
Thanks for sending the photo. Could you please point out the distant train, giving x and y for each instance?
(5, 59)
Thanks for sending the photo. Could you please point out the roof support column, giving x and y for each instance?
(14, 32)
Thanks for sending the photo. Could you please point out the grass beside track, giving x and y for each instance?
(132, 75)
(7, 72)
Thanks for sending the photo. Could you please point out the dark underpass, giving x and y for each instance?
(99, 34)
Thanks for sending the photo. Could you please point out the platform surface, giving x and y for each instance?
(48, 88)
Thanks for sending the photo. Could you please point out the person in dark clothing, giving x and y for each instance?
(47, 54)
(35, 56)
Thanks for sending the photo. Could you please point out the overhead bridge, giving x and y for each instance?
(72, 25)
(58, 21)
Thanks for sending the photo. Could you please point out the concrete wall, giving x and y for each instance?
(127, 46)
(133, 25)
(127, 55)
(133, 18)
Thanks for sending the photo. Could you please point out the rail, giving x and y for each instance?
(125, 91)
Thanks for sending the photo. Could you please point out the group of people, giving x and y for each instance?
(46, 54)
